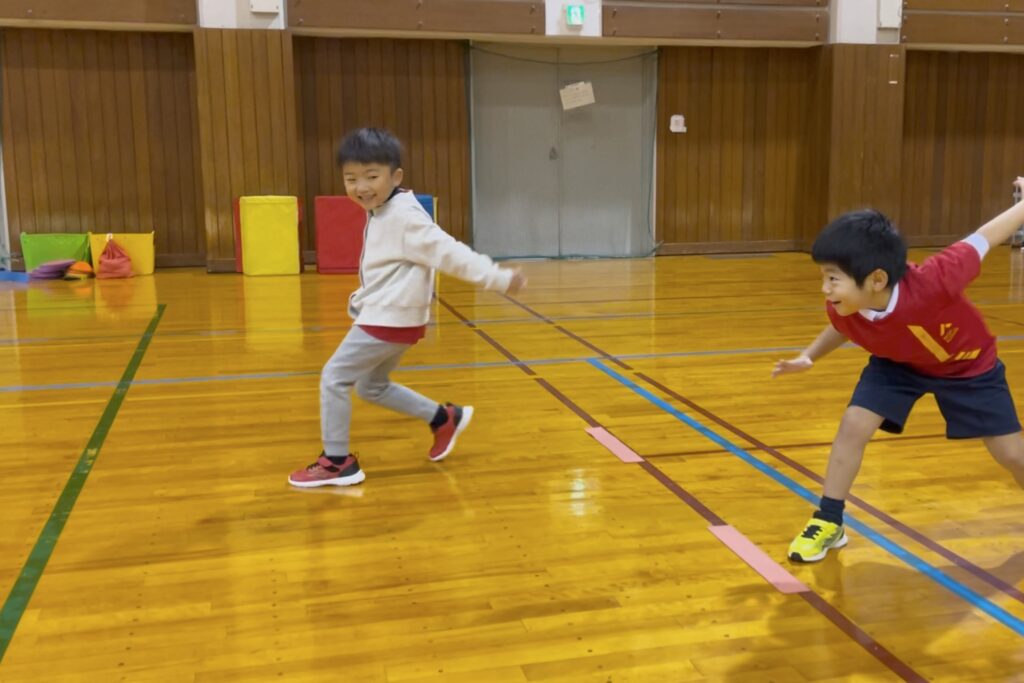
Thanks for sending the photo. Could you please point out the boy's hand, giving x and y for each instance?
(799, 364)
(518, 282)
(1019, 184)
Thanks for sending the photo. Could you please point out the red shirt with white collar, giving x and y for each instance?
(930, 324)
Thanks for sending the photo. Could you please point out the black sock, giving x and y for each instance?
(440, 417)
(831, 510)
(337, 459)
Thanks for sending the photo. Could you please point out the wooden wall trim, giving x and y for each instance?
(760, 247)
(682, 248)
(220, 265)
(716, 22)
(69, 12)
(914, 6)
(726, 4)
(924, 241)
(957, 22)
(524, 17)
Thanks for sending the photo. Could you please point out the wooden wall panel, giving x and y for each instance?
(963, 142)
(865, 138)
(524, 17)
(100, 135)
(248, 126)
(814, 180)
(995, 23)
(171, 12)
(779, 142)
(963, 29)
(733, 3)
(415, 88)
(715, 22)
(963, 5)
(735, 181)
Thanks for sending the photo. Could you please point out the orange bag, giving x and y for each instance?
(114, 261)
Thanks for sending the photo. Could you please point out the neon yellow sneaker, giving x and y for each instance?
(817, 538)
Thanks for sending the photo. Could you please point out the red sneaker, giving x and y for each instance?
(445, 435)
(325, 473)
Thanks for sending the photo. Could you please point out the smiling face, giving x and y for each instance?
(370, 185)
(847, 298)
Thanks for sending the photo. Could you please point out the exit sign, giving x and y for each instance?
(573, 18)
(574, 15)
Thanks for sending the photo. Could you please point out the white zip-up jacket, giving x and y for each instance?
(402, 247)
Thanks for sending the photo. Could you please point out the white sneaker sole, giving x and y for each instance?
(350, 480)
(467, 416)
(820, 556)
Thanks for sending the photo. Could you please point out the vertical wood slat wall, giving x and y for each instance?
(119, 131)
(777, 141)
(415, 88)
(963, 142)
(780, 141)
(247, 126)
(99, 135)
(733, 181)
(864, 112)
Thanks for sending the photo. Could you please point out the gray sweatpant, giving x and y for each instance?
(366, 362)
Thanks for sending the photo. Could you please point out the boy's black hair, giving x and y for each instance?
(370, 146)
(861, 242)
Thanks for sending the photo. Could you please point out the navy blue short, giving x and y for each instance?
(972, 406)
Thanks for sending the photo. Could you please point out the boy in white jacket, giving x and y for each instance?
(402, 247)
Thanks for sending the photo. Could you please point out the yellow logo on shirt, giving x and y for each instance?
(947, 332)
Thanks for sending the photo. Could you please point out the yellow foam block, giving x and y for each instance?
(139, 246)
(270, 235)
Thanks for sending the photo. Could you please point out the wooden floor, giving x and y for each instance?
(533, 553)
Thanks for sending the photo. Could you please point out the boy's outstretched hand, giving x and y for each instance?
(799, 364)
(1019, 183)
(518, 282)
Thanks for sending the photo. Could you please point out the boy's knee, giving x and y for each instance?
(857, 426)
(1009, 452)
(1015, 460)
(334, 378)
(370, 391)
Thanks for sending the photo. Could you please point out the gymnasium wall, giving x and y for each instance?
(245, 83)
(159, 125)
(963, 140)
(100, 134)
(416, 88)
(738, 173)
(779, 141)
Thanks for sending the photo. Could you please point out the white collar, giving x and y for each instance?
(874, 315)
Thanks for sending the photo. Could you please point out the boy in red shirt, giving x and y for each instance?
(924, 336)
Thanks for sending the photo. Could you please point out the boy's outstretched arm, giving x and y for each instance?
(427, 244)
(518, 282)
(828, 341)
(1002, 227)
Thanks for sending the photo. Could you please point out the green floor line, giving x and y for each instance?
(25, 585)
